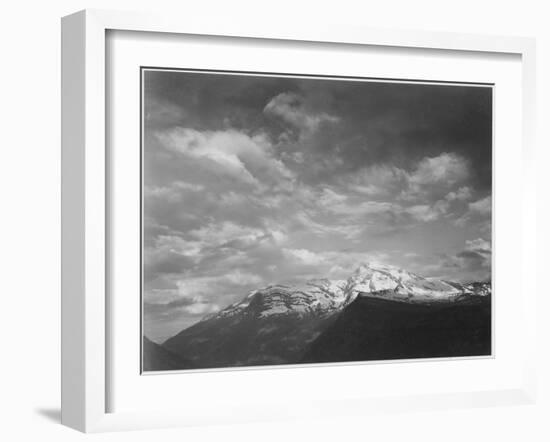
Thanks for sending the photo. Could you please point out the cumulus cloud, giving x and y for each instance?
(163, 319)
(482, 206)
(343, 205)
(244, 157)
(194, 305)
(201, 286)
(425, 212)
(346, 230)
(336, 264)
(170, 255)
(192, 297)
(444, 168)
(462, 194)
(183, 252)
(474, 260)
(431, 190)
(292, 109)
(218, 234)
(378, 180)
(173, 192)
(435, 174)
(478, 245)
(478, 212)
(162, 113)
(368, 210)
(305, 256)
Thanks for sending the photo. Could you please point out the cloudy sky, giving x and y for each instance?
(254, 180)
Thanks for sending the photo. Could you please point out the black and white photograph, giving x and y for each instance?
(308, 220)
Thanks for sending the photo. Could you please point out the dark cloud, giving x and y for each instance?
(471, 264)
(379, 122)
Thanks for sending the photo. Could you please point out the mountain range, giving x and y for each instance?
(380, 312)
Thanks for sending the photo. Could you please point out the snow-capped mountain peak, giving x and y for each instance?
(395, 283)
(322, 297)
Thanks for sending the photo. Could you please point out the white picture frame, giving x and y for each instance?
(85, 211)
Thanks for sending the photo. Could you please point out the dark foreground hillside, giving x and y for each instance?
(247, 339)
(378, 329)
(157, 358)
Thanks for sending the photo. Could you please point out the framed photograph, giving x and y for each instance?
(279, 222)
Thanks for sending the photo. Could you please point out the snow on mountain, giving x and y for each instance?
(323, 297)
(395, 283)
(314, 297)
